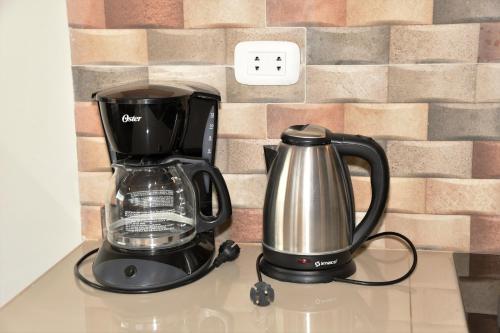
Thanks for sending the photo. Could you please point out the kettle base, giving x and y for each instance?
(307, 276)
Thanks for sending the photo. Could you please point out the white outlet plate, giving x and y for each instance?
(267, 63)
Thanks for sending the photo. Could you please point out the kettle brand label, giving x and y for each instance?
(325, 263)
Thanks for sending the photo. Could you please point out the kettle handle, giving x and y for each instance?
(367, 149)
(206, 223)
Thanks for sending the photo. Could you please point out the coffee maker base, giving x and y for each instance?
(146, 271)
(307, 276)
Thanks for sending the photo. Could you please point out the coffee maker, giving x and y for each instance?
(159, 224)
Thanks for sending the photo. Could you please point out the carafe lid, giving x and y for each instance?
(306, 135)
(145, 93)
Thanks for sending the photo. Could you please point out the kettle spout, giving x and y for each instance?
(270, 152)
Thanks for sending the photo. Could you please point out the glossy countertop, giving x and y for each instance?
(427, 302)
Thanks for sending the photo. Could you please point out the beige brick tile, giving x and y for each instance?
(327, 84)
(242, 121)
(86, 13)
(306, 12)
(488, 83)
(434, 43)
(406, 195)
(87, 119)
(463, 196)
(92, 154)
(214, 76)
(93, 187)
(247, 191)
(432, 83)
(281, 116)
(430, 158)
(387, 121)
(192, 46)
(377, 12)
(246, 225)
(224, 13)
(108, 46)
(443, 232)
(144, 14)
(91, 222)
(241, 93)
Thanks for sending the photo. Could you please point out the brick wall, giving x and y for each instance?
(420, 76)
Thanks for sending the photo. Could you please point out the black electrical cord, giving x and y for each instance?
(389, 282)
(228, 251)
(262, 293)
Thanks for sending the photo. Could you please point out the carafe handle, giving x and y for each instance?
(367, 149)
(206, 223)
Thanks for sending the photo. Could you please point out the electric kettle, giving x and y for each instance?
(309, 232)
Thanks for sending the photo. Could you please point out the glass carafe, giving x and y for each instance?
(158, 206)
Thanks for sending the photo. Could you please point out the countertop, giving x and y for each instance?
(427, 302)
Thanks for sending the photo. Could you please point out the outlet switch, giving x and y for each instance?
(267, 63)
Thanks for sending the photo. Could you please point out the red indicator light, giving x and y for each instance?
(303, 261)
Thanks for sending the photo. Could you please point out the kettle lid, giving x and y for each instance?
(306, 135)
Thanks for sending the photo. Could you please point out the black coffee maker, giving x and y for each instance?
(158, 212)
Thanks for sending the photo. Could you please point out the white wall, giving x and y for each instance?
(39, 209)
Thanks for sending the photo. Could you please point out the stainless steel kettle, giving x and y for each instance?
(309, 216)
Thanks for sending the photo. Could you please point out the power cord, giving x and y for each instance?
(262, 294)
(228, 251)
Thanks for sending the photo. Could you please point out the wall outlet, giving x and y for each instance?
(267, 63)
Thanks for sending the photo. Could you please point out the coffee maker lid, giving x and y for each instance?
(145, 93)
(306, 135)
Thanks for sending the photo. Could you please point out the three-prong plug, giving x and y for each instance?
(262, 294)
(228, 251)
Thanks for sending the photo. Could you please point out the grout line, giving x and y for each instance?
(305, 65)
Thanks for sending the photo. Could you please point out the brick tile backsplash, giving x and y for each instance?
(306, 12)
(144, 13)
(106, 46)
(240, 93)
(377, 12)
(242, 121)
(445, 232)
(92, 154)
(489, 42)
(406, 195)
(87, 119)
(464, 121)
(224, 13)
(485, 234)
(281, 116)
(93, 187)
(463, 196)
(91, 222)
(432, 83)
(451, 159)
(487, 83)
(89, 79)
(387, 121)
(192, 46)
(247, 191)
(334, 84)
(447, 43)
(214, 76)
(348, 46)
(486, 159)
(246, 225)
(422, 77)
(86, 13)
(460, 11)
